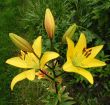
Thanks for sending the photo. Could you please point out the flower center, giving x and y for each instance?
(23, 55)
(79, 57)
(86, 52)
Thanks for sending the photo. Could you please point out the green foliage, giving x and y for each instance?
(62, 98)
(34, 17)
(9, 17)
(92, 16)
(29, 93)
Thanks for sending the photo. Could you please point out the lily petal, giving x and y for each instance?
(47, 56)
(70, 50)
(17, 61)
(80, 45)
(69, 67)
(37, 46)
(94, 51)
(30, 74)
(93, 63)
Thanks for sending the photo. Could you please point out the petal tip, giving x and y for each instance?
(92, 82)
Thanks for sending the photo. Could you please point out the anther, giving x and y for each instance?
(22, 56)
(90, 50)
(84, 50)
(88, 54)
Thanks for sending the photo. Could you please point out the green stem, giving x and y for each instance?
(53, 65)
(51, 44)
(60, 74)
(56, 89)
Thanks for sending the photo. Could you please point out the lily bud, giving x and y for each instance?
(69, 33)
(20, 42)
(49, 23)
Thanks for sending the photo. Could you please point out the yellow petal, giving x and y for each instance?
(31, 60)
(69, 33)
(80, 45)
(20, 42)
(92, 63)
(69, 67)
(30, 74)
(17, 61)
(17, 78)
(49, 23)
(47, 56)
(37, 46)
(85, 74)
(70, 50)
(95, 50)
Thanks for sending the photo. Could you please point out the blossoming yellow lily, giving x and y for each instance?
(80, 57)
(31, 62)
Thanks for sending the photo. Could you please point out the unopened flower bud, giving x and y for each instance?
(69, 33)
(49, 23)
(20, 42)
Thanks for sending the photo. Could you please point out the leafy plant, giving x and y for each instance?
(46, 65)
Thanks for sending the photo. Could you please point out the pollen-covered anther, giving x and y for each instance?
(86, 52)
(23, 55)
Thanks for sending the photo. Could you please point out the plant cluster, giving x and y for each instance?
(47, 64)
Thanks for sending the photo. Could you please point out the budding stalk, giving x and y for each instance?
(20, 42)
(69, 33)
(49, 23)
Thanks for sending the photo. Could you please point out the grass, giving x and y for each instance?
(29, 93)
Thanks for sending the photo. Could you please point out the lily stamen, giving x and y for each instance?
(23, 55)
(87, 53)
(84, 50)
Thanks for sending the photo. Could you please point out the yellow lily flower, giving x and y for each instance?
(80, 57)
(31, 62)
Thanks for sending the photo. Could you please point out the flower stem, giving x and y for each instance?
(56, 90)
(51, 44)
(60, 74)
(53, 65)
